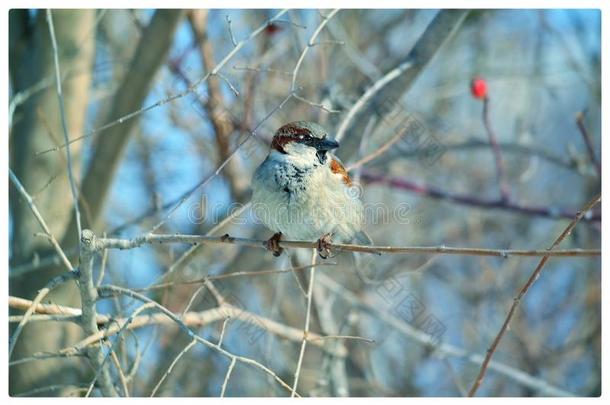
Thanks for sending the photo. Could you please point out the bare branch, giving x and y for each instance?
(430, 341)
(226, 380)
(495, 148)
(88, 295)
(195, 319)
(40, 219)
(122, 377)
(171, 366)
(310, 43)
(113, 290)
(112, 243)
(312, 274)
(474, 200)
(233, 41)
(530, 281)
(64, 125)
(580, 121)
(62, 278)
(439, 31)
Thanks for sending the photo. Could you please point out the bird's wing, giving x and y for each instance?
(337, 168)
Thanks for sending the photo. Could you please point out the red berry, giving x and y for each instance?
(478, 87)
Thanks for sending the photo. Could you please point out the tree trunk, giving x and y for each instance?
(36, 126)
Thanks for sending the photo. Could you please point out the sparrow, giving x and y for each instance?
(301, 191)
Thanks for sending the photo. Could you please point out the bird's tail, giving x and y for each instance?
(364, 262)
(363, 238)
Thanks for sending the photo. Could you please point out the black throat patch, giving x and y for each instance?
(321, 154)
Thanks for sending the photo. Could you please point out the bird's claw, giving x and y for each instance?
(273, 244)
(324, 246)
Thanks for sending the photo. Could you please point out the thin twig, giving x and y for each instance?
(228, 82)
(222, 330)
(377, 152)
(40, 219)
(368, 96)
(290, 23)
(100, 277)
(171, 366)
(295, 72)
(530, 281)
(226, 380)
(316, 105)
(260, 70)
(233, 41)
(328, 42)
(232, 275)
(122, 378)
(191, 300)
(312, 274)
(580, 121)
(64, 124)
(493, 140)
(346, 337)
(44, 356)
(56, 281)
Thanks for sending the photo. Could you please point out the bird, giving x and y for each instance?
(301, 191)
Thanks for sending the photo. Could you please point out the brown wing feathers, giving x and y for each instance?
(337, 168)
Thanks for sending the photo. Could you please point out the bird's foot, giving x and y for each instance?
(324, 246)
(273, 244)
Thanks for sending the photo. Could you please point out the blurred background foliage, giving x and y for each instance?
(542, 68)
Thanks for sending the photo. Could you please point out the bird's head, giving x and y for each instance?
(303, 138)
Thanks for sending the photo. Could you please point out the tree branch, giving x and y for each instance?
(149, 239)
(530, 281)
(439, 31)
(109, 290)
(474, 201)
(580, 121)
(406, 329)
(152, 48)
(495, 148)
(64, 124)
(88, 295)
(112, 326)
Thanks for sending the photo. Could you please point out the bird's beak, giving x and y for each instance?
(326, 144)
